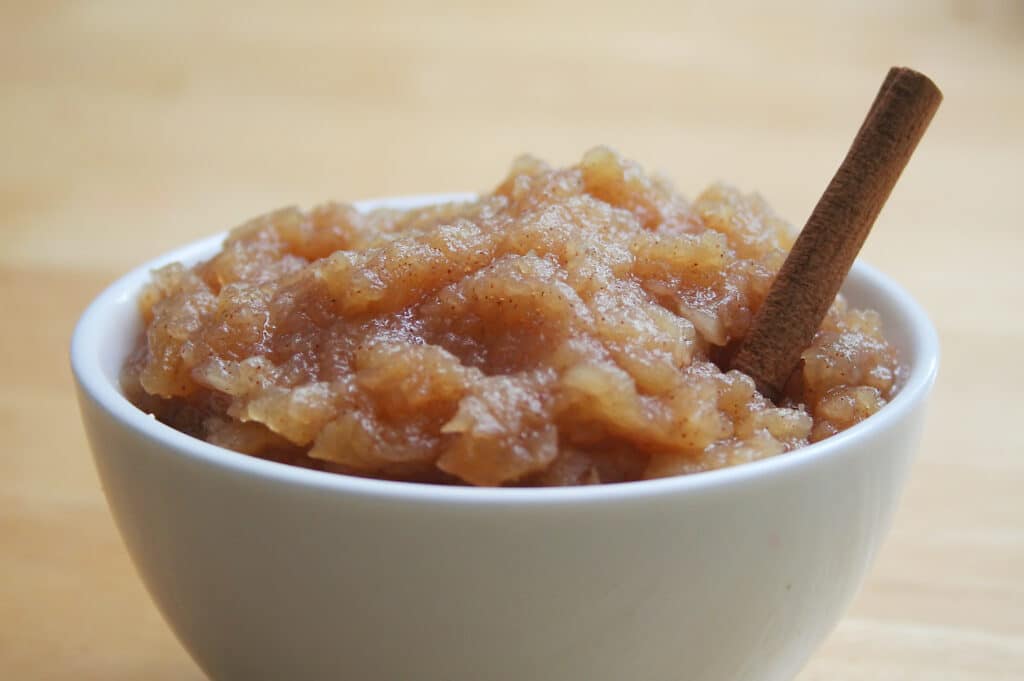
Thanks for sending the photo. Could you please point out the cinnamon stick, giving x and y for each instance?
(824, 252)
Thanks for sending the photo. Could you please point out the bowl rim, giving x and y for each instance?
(90, 331)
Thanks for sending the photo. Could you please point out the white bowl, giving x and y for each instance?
(267, 571)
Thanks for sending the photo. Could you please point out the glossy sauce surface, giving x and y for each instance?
(566, 328)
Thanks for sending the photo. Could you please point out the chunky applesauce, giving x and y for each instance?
(566, 328)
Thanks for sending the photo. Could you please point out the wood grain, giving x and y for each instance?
(127, 128)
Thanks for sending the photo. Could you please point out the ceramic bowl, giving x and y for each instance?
(267, 571)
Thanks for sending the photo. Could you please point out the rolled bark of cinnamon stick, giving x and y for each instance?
(824, 252)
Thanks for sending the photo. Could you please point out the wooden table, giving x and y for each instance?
(128, 128)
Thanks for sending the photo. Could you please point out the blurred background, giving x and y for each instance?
(127, 128)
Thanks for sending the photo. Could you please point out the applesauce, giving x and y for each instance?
(566, 328)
